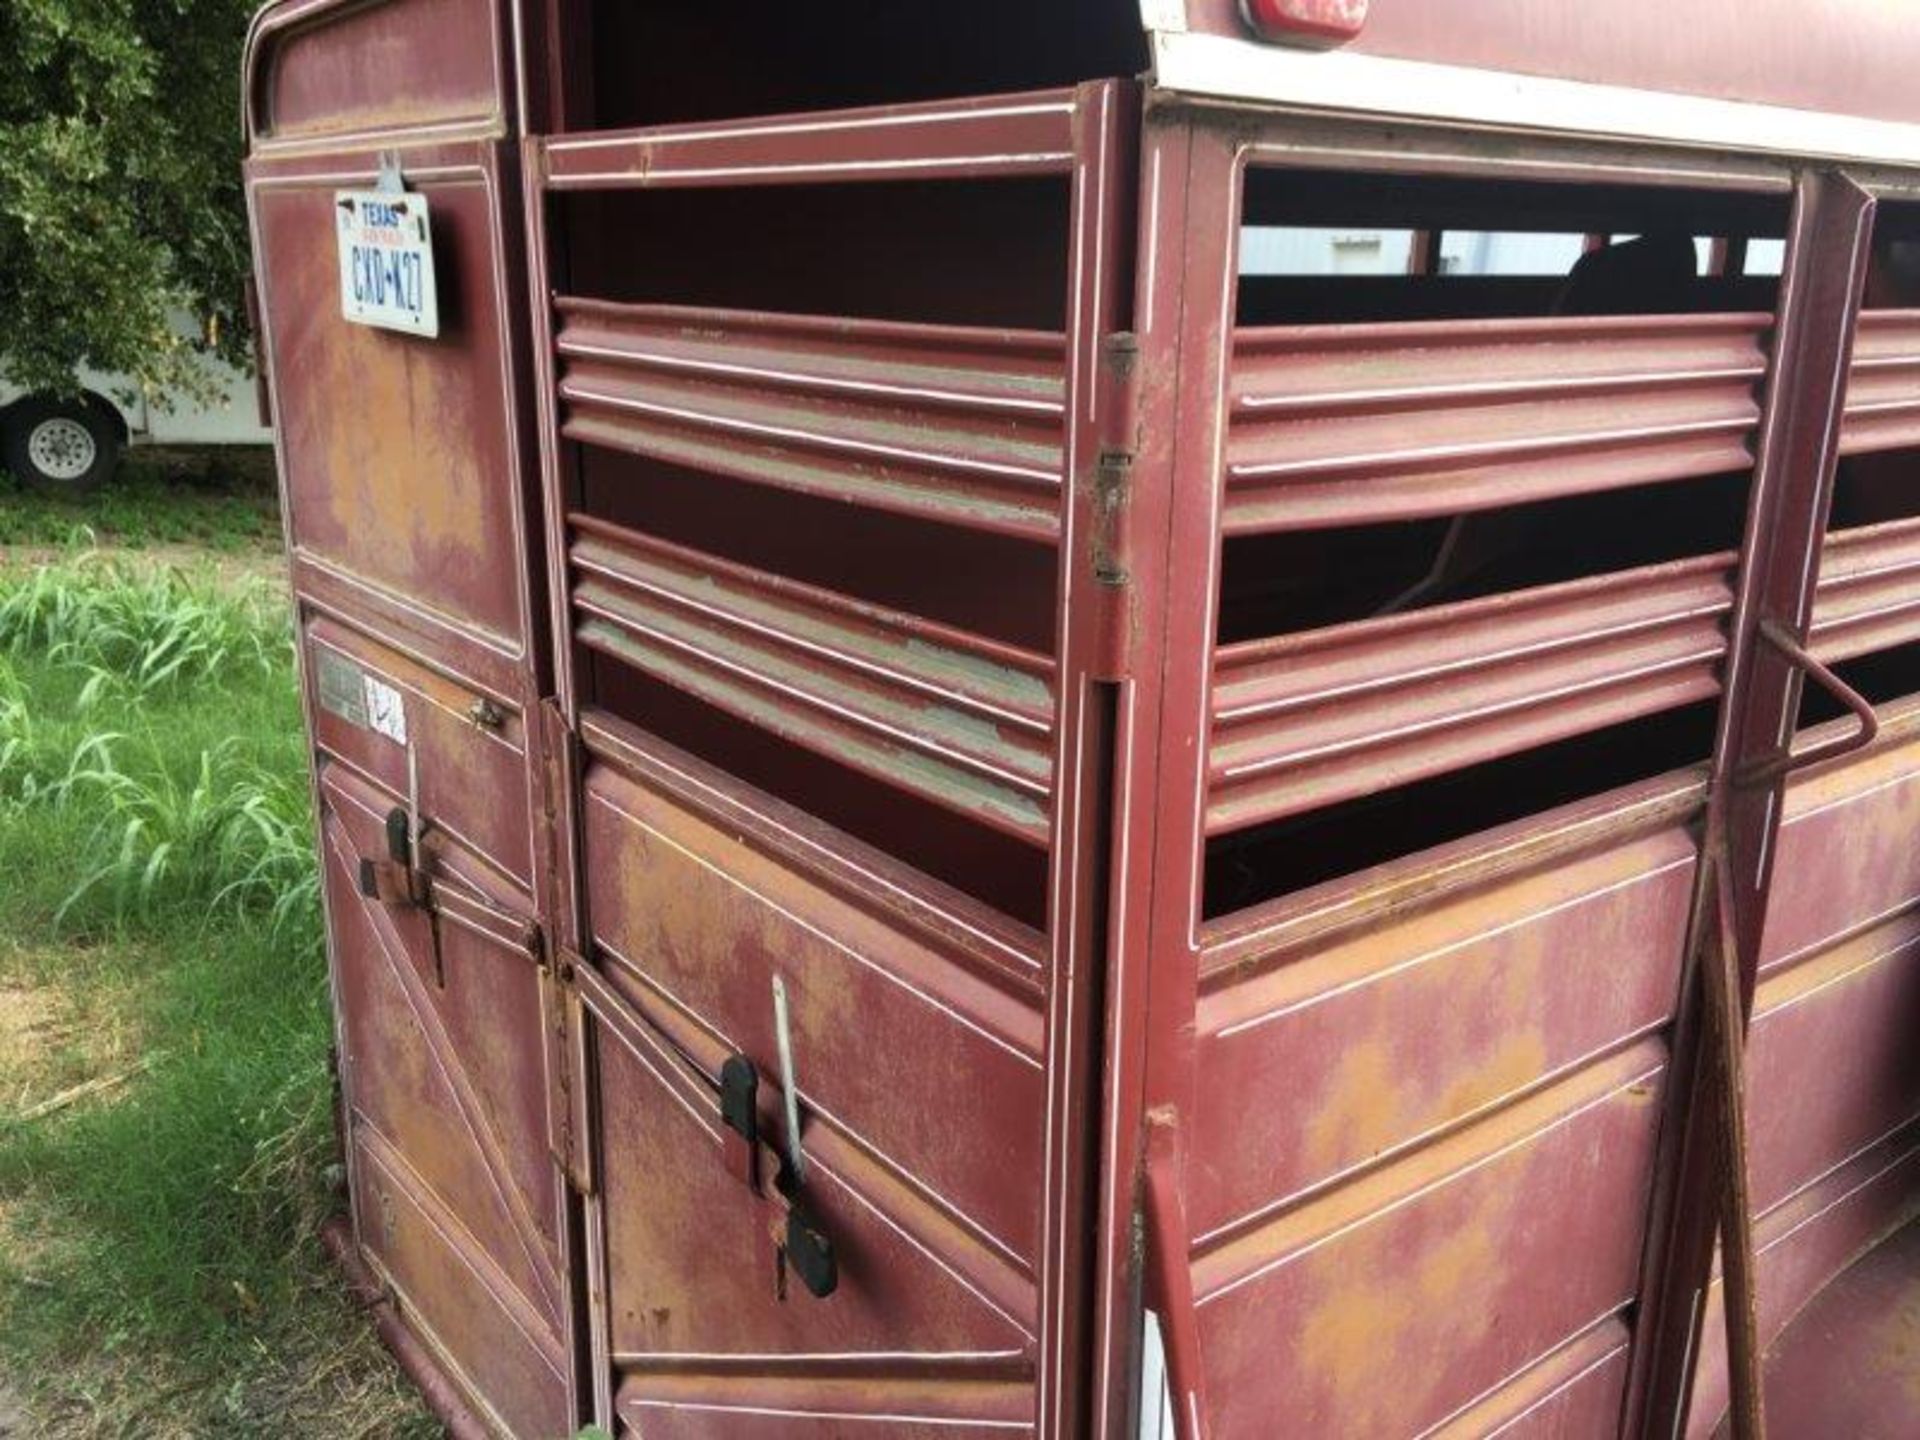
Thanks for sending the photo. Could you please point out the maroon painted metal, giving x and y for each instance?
(1509, 411)
(969, 775)
(1793, 487)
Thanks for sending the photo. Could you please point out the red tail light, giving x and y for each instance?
(1307, 22)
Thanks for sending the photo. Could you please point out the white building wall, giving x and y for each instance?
(1308, 250)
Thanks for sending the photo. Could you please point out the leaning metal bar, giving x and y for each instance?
(1792, 492)
(1727, 1066)
(1169, 1279)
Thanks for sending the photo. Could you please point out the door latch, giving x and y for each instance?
(800, 1244)
(401, 878)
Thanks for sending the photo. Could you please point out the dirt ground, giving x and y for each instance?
(25, 1016)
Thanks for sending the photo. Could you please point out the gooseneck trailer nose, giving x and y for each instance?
(1091, 720)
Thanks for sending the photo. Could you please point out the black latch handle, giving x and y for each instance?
(809, 1251)
(400, 836)
(740, 1113)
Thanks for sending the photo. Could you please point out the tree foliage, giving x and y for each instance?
(120, 198)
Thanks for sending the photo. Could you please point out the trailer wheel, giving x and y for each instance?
(69, 447)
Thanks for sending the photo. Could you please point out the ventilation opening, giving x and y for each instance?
(991, 585)
(1873, 488)
(1303, 580)
(1327, 248)
(1260, 865)
(1882, 678)
(1893, 274)
(807, 427)
(672, 61)
(957, 253)
(977, 861)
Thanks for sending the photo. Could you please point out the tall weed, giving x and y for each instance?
(150, 628)
(229, 837)
(173, 829)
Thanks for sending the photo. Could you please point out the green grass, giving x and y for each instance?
(214, 499)
(159, 1272)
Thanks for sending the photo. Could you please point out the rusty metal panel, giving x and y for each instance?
(1448, 1272)
(1834, 1084)
(407, 496)
(701, 896)
(1355, 424)
(939, 1048)
(695, 917)
(328, 71)
(1846, 1367)
(470, 748)
(1803, 1246)
(694, 1290)
(1834, 1064)
(1366, 1040)
(402, 461)
(480, 1336)
(1575, 1391)
(454, 1196)
(1846, 860)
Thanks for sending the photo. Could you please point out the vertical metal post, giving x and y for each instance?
(1091, 585)
(1186, 333)
(1159, 287)
(1702, 1177)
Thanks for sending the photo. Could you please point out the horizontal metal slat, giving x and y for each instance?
(973, 935)
(957, 425)
(1309, 720)
(1883, 388)
(1356, 424)
(1031, 134)
(1869, 593)
(958, 720)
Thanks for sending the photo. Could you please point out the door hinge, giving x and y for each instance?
(1111, 550)
(559, 764)
(568, 1086)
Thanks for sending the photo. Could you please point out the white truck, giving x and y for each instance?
(74, 443)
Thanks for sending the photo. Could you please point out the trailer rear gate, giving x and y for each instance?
(1215, 794)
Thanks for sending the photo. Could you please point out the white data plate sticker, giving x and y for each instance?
(386, 710)
(386, 260)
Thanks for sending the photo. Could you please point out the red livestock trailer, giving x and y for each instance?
(1088, 719)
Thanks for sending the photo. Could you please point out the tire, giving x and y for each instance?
(66, 447)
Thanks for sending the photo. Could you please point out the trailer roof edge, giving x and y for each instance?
(1219, 68)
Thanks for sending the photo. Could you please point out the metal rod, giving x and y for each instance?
(783, 1035)
(413, 806)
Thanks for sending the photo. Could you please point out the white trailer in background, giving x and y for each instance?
(73, 443)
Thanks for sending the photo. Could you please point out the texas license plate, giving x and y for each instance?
(386, 260)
